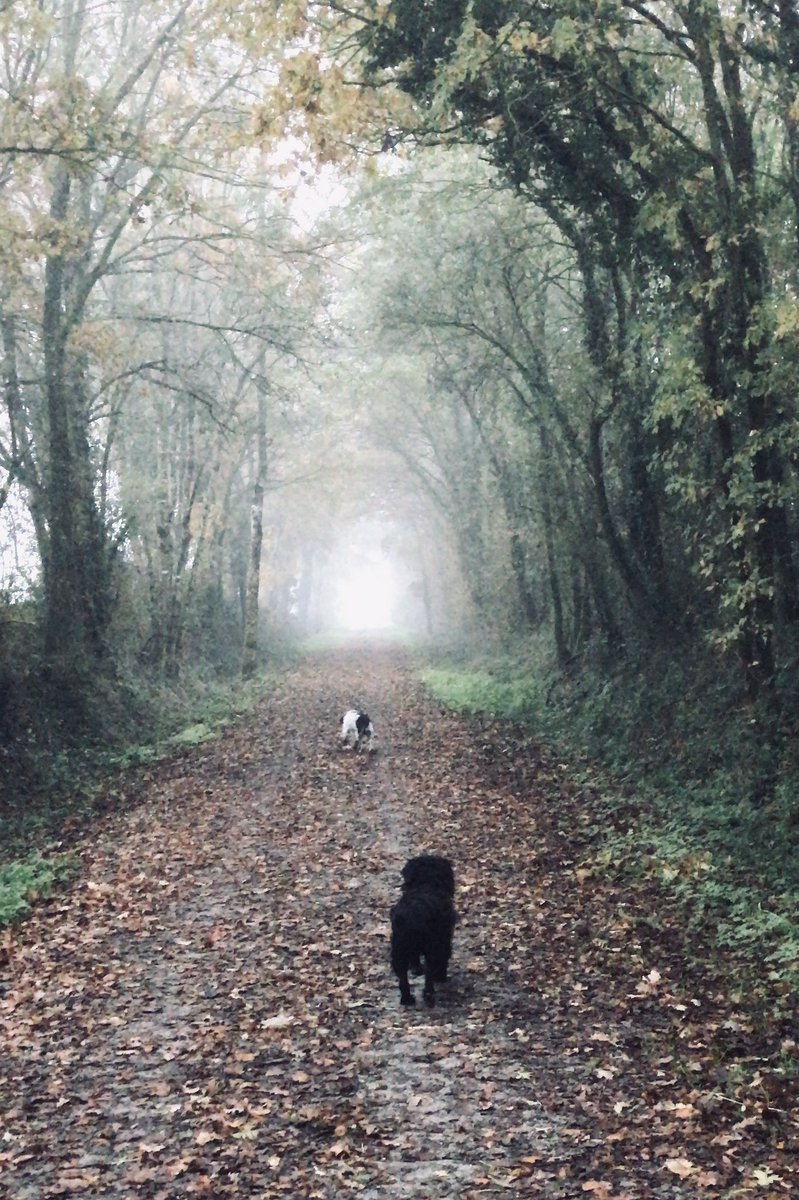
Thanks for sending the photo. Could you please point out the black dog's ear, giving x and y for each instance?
(417, 870)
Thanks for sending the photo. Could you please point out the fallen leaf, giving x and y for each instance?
(680, 1166)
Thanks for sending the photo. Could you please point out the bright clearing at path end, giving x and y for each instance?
(366, 598)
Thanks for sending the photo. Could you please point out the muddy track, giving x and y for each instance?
(209, 1011)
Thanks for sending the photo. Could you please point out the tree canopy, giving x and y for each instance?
(660, 141)
(544, 333)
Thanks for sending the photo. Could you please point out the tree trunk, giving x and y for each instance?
(426, 590)
(249, 657)
(77, 564)
(562, 650)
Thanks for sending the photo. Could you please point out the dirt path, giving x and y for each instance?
(209, 1010)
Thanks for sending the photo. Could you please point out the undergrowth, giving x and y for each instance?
(29, 879)
(676, 763)
(51, 783)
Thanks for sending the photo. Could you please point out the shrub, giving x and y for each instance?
(30, 879)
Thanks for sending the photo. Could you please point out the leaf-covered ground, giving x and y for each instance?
(209, 1010)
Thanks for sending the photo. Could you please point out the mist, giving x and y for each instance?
(272, 366)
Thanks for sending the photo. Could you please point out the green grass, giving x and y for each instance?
(476, 690)
(27, 880)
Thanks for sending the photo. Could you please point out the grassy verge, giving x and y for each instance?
(671, 763)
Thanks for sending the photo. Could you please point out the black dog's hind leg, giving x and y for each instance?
(400, 962)
(435, 970)
(438, 968)
(437, 960)
(406, 995)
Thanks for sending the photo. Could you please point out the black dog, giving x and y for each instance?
(422, 922)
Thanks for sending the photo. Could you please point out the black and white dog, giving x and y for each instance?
(422, 923)
(357, 730)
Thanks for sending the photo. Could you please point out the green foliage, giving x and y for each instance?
(180, 720)
(479, 691)
(29, 879)
(675, 756)
(657, 144)
(193, 735)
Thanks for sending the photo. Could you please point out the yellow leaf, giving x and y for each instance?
(765, 1176)
(680, 1166)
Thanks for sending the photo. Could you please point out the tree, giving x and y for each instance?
(123, 125)
(494, 301)
(652, 138)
